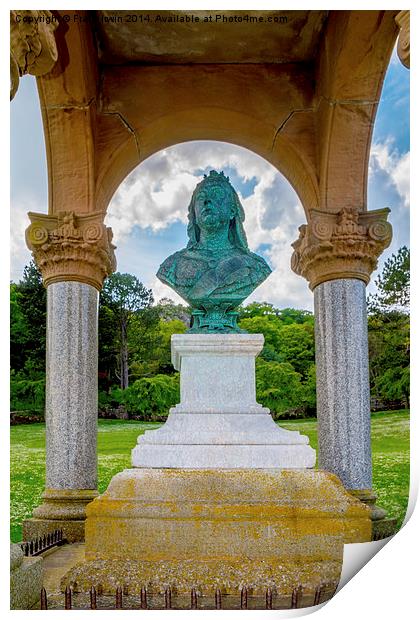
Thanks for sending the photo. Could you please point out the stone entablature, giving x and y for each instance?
(74, 247)
(32, 45)
(346, 244)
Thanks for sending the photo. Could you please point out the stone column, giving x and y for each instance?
(336, 253)
(343, 398)
(74, 254)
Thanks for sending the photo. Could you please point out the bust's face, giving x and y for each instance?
(213, 208)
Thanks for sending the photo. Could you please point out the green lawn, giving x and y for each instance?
(390, 447)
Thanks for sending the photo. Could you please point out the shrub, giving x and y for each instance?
(279, 388)
(150, 398)
(27, 395)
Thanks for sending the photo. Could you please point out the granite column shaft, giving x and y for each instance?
(71, 410)
(343, 396)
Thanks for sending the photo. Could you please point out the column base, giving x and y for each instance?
(382, 526)
(224, 529)
(62, 509)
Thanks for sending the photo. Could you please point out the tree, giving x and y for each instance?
(28, 319)
(293, 343)
(257, 309)
(297, 346)
(278, 386)
(389, 330)
(168, 310)
(389, 356)
(127, 298)
(285, 315)
(393, 284)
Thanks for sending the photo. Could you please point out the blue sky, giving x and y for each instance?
(148, 211)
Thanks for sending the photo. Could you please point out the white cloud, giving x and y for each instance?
(385, 157)
(19, 221)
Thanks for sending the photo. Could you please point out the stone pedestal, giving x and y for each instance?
(219, 496)
(219, 528)
(71, 411)
(218, 423)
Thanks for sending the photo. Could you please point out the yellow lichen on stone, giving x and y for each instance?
(192, 526)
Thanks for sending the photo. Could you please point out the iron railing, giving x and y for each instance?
(40, 545)
(123, 601)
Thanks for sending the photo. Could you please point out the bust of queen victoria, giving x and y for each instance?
(216, 271)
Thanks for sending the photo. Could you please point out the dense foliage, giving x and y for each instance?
(136, 377)
(389, 331)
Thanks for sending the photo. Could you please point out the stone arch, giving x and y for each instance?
(210, 124)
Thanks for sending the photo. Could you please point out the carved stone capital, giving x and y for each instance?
(403, 48)
(69, 246)
(32, 45)
(340, 245)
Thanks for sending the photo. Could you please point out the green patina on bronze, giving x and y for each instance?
(216, 271)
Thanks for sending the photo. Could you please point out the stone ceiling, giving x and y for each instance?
(142, 37)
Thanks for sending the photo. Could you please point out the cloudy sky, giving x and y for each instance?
(148, 213)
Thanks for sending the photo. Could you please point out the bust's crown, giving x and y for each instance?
(215, 177)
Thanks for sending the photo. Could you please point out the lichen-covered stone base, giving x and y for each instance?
(219, 528)
(181, 576)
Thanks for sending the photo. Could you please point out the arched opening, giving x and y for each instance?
(148, 214)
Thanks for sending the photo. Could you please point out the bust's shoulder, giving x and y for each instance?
(258, 262)
(169, 263)
(181, 266)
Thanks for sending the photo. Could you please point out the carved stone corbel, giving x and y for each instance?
(340, 245)
(69, 246)
(32, 45)
(403, 49)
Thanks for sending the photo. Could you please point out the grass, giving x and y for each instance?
(116, 438)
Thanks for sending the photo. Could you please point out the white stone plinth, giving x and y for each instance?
(218, 423)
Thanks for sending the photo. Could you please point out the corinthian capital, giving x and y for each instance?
(341, 245)
(32, 44)
(70, 246)
(403, 48)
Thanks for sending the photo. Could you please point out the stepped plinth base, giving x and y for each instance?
(218, 423)
(219, 529)
(61, 509)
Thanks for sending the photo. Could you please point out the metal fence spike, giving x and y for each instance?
(93, 598)
(67, 598)
(318, 593)
(193, 599)
(118, 598)
(168, 598)
(218, 599)
(296, 597)
(244, 598)
(269, 599)
(143, 598)
(44, 602)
